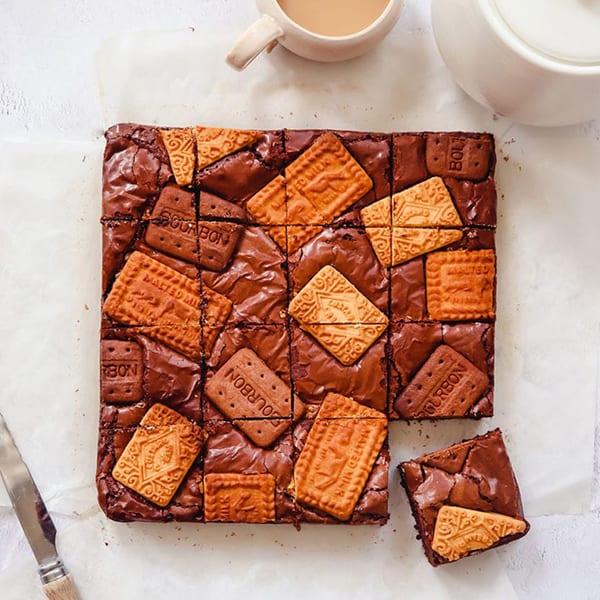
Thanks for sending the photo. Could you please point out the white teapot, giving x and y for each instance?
(534, 61)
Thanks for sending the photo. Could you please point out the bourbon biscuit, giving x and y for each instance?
(159, 454)
(447, 385)
(246, 388)
(460, 285)
(214, 208)
(237, 498)
(336, 460)
(459, 531)
(182, 156)
(217, 241)
(459, 156)
(172, 226)
(122, 367)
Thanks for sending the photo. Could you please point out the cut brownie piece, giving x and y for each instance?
(441, 370)
(228, 451)
(255, 279)
(161, 464)
(137, 372)
(238, 173)
(315, 373)
(465, 498)
(136, 168)
(341, 471)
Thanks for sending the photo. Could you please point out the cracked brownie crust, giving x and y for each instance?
(311, 254)
(475, 475)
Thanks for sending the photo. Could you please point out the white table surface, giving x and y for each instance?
(48, 90)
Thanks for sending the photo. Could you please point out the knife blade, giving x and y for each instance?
(34, 518)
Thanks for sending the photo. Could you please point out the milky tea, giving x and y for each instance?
(333, 17)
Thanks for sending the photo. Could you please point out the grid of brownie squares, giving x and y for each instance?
(270, 299)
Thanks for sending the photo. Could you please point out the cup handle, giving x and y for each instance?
(253, 41)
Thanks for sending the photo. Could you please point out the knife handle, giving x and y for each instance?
(61, 589)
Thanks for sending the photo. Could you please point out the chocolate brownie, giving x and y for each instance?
(270, 298)
(465, 498)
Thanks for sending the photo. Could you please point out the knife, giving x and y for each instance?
(34, 518)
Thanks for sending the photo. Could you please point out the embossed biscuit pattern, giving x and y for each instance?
(323, 182)
(213, 143)
(338, 315)
(336, 460)
(159, 454)
(330, 298)
(239, 498)
(461, 285)
(317, 187)
(459, 531)
(409, 224)
(182, 153)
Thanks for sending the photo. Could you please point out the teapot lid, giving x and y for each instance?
(568, 30)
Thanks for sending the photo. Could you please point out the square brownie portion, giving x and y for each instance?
(441, 370)
(465, 498)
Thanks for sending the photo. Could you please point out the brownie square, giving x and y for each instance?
(136, 168)
(475, 475)
(228, 450)
(255, 279)
(315, 372)
(460, 386)
(371, 508)
(340, 247)
(270, 344)
(237, 176)
(147, 371)
(121, 503)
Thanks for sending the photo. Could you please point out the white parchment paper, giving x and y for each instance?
(49, 314)
(548, 246)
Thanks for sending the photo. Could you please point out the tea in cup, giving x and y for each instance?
(322, 30)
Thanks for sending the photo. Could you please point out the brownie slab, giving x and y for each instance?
(475, 475)
(249, 277)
